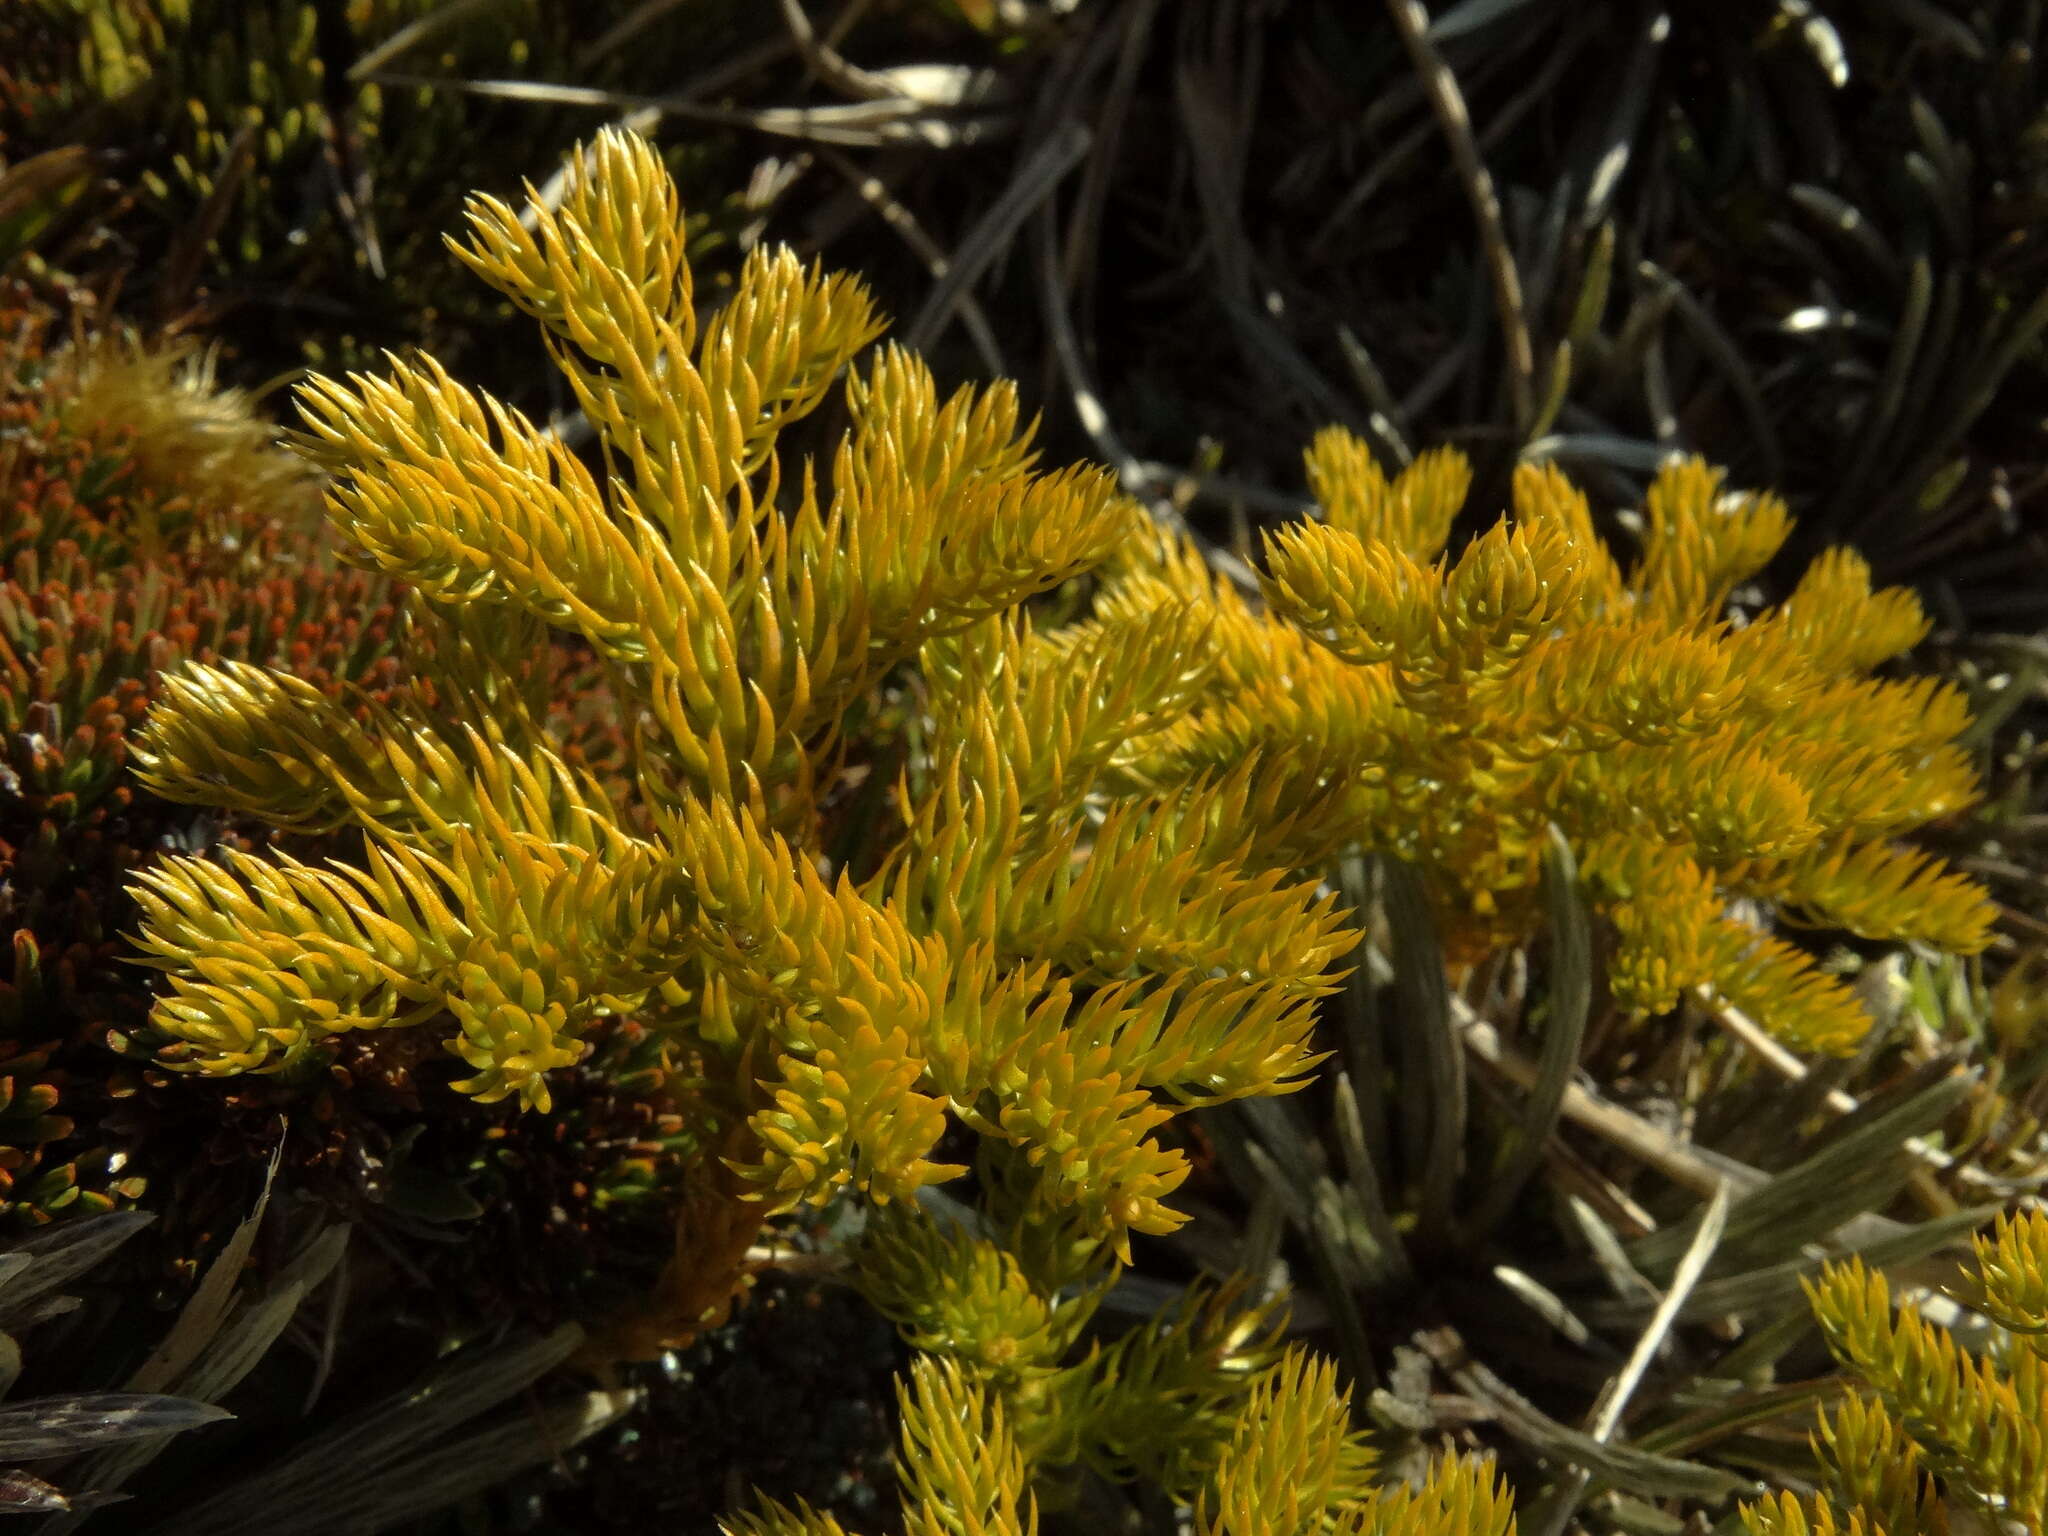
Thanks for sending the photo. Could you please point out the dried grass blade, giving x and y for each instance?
(1550, 1518)
(1041, 171)
(1855, 1173)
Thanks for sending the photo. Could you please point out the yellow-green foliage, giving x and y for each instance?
(1446, 711)
(1290, 1465)
(1941, 1426)
(182, 428)
(1203, 1402)
(887, 848)
(960, 1468)
(1158, 1403)
(1060, 963)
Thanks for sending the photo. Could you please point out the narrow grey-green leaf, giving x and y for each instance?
(1434, 1054)
(333, 1467)
(1778, 1284)
(377, 1498)
(1385, 421)
(1858, 1171)
(1470, 16)
(1564, 1030)
(59, 1426)
(63, 1254)
(1621, 1465)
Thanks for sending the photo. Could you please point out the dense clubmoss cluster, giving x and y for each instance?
(1934, 1432)
(980, 964)
(920, 814)
(1699, 760)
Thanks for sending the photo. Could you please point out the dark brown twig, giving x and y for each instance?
(1412, 21)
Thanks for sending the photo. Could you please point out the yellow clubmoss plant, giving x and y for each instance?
(1287, 1468)
(1013, 1304)
(1709, 766)
(864, 868)
(1937, 1434)
(1203, 1402)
